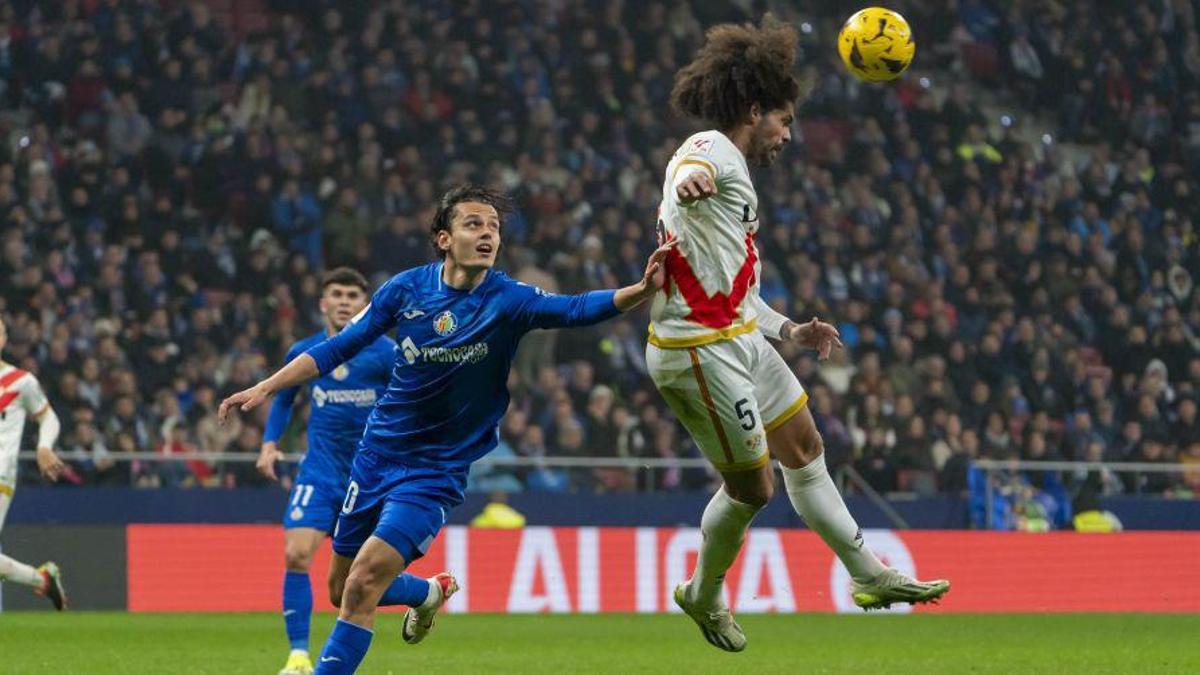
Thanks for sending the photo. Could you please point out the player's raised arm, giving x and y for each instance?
(695, 182)
(547, 310)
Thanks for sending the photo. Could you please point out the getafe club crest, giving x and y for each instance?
(445, 323)
(341, 372)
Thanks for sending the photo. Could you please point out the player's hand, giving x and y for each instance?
(698, 185)
(815, 334)
(656, 267)
(267, 458)
(50, 464)
(246, 400)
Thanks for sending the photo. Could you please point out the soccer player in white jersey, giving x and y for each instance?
(21, 396)
(707, 351)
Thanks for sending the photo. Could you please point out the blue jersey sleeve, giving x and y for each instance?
(281, 407)
(378, 318)
(538, 309)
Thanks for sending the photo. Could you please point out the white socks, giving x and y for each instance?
(816, 499)
(18, 572)
(723, 526)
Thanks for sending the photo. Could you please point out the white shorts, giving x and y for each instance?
(8, 482)
(728, 395)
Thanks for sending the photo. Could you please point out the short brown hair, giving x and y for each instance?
(345, 276)
(457, 195)
(738, 66)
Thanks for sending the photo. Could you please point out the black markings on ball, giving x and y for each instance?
(856, 58)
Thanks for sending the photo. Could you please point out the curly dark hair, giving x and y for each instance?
(457, 195)
(738, 66)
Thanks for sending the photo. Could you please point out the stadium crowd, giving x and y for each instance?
(170, 191)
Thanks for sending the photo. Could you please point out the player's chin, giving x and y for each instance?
(484, 260)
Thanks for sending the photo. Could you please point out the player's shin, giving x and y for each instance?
(19, 572)
(297, 608)
(723, 527)
(408, 590)
(345, 649)
(817, 500)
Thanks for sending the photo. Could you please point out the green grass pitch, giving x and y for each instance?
(99, 643)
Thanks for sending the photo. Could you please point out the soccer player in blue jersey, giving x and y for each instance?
(458, 323)
(340, 402)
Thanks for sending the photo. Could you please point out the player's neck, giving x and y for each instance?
(740, 137)
(461, 277)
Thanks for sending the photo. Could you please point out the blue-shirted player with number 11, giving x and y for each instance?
(458, 323)
(340, 402)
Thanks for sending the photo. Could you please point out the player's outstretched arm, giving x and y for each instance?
(538, 309)
(652, 280)
(375, 320)
(297, 371)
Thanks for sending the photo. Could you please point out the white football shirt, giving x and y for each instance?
(20, 396)
(713, 273)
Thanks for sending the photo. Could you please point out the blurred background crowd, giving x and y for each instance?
(1006, 238)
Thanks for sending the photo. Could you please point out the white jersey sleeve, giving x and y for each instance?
(699, 154)
(32, 398)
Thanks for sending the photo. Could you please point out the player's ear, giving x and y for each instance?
(443, 240)
(756, 113)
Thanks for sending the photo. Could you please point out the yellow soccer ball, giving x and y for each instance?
(876, 44)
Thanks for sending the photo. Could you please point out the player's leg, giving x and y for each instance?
(380, 537)
(361, 508)
(311, 514)
(373, 569)
(709, 390)
(794, 440)
(339, 569)
(45, 580)
(406, 589)
(300, 545)
(410, 522)
(797, 445)
(403, 533)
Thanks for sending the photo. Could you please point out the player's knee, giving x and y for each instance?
(812, 446)
(761, 496)
(297, 559)
(757, 494)
(361, 582)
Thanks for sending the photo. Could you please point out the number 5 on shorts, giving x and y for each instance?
(745, 414)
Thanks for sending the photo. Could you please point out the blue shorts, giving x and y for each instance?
(314, 502)
(403, 505)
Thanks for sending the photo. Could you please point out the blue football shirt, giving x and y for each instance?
(449, 386)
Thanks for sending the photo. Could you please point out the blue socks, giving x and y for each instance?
(345, 649)
(406, 590)
(297, 608)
